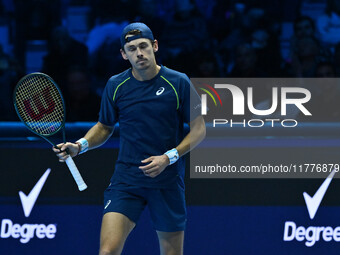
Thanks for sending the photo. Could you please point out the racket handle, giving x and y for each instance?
(75, 173)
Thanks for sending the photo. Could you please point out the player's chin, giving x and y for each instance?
(141, 65)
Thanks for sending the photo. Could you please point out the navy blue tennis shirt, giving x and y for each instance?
(151, 115)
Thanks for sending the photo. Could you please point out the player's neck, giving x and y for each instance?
(147, 74)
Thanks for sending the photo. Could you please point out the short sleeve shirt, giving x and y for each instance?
(151, 115)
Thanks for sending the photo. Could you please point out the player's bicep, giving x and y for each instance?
(105, 128)
(108, 114)
(198, 122)
(191, 105)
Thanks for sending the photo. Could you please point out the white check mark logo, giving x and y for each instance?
(29, 201)
(314, 202)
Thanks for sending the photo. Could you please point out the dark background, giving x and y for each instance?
(76, 42)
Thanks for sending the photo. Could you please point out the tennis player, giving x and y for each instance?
(151, 104)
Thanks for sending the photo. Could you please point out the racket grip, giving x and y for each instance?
(75, 173)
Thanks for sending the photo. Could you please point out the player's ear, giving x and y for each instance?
(155, 46)
(123, 54)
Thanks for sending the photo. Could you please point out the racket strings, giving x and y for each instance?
(40, 104)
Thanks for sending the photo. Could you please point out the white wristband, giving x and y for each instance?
(84, 145)
(172, 155)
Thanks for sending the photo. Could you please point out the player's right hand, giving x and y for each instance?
(71, 148)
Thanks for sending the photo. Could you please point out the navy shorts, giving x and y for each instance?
(167, 206)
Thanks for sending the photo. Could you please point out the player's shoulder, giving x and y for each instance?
(174, 75)
(118, 79)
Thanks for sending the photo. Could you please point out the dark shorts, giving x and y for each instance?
(167, 206)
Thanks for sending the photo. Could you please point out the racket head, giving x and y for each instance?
(39, 104)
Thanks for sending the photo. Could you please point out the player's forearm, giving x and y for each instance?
(158, 163)
(194, 137)
(95, 137)
(98, 135)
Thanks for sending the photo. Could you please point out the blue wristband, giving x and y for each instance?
(84, 145)
(172, 155)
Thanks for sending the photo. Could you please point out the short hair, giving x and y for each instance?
(133, 32)
(136, 32)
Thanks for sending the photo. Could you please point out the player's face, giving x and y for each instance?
(140, 53)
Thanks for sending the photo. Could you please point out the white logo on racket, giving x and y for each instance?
(107, 204)
(160, 91)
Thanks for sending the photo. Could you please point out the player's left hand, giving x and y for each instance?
(156, 166)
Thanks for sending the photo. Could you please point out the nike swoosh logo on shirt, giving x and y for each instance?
(29, 201)
(314, 202)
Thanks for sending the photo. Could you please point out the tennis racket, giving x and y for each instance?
(40, 106)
